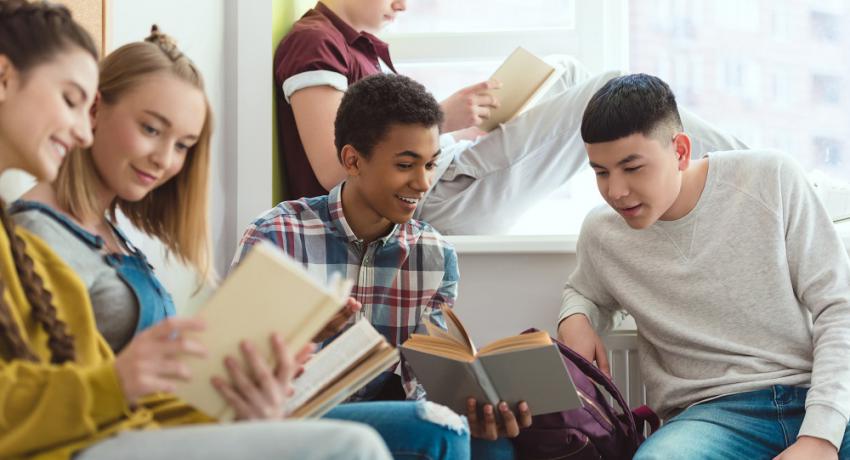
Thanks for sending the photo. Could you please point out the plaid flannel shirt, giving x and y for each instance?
(401, 278)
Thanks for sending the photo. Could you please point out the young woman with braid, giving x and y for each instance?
(149, 158)
(63, 393)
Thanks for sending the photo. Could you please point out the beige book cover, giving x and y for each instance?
(267, 292)
(524, 78)
(525, 367)
(353, 359)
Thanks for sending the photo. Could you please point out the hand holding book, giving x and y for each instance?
(260, 392)
(524, 368)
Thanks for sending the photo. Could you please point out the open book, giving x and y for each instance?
(526, 367)
(267, 292)
(525, 79)
(351, 361)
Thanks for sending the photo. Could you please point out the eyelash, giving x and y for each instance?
(150, 130)
(405, 166)
(69, 102)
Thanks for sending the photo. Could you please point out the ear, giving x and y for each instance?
(682, 146)
(351, 160)
(6, 70)
(93, 110)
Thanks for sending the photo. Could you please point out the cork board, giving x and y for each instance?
(94, 16)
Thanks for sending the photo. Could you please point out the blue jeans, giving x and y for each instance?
(754, 425)
(421, 430)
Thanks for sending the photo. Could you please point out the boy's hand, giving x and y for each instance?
(260, 392)
(576, 332)
(469, 107)
(488, 428)
(153, 361)
(809, 448)
(339, 320)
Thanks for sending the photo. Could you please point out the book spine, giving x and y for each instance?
(484, 382)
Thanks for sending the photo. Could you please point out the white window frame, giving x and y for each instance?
(599, 40)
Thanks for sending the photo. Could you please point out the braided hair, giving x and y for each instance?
(32, 33)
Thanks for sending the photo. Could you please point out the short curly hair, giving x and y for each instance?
(373, 104)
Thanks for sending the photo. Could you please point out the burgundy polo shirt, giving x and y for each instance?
(320, 50)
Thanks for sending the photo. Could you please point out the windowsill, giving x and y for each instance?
(549, 244)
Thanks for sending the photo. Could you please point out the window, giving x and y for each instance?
(775, 72)
(770, 72)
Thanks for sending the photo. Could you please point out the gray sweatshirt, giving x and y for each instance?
(750, 289)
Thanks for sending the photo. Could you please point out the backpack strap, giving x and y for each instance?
(645, 416)
(593, 373)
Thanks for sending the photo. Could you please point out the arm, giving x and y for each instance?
(579, 314)
(315, 109)
(819, 269)
(45, 405)
(253, 235)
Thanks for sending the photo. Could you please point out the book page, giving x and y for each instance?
(380, 359)
(333, 361)
(517, 342)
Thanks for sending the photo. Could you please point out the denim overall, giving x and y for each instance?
(155, 302)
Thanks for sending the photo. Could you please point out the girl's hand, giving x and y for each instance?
(152, 362)
(260, 392)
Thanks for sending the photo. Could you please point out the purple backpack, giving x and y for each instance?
(594, 431)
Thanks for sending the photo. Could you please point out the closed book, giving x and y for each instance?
(524, 79)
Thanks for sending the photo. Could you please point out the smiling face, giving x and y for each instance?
(142, 140)
(372, 15)
(44, 111)
(639, 176)
(390, 181)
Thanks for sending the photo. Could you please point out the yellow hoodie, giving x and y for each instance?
(52, 411)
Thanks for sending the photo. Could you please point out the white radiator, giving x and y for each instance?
(625, 369)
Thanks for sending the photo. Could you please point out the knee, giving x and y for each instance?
(670, 445)
(448, 430)
(358, 441)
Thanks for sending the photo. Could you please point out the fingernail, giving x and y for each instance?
(523, 406)
(488, 409)
(503, 405)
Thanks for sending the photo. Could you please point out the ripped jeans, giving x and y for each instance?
(421, 430)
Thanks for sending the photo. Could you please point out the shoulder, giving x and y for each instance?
(51, 266)
(293, 215)
(761, 174)
(44, 226)
(430, 240)
(427, 234)
(312, 44)
(744, 165)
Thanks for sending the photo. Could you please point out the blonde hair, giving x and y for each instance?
(176, 212)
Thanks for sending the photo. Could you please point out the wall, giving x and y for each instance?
(200, 34)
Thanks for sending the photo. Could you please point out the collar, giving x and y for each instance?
(340, 224)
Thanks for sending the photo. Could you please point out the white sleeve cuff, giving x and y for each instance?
(824, 422)
(314, 78)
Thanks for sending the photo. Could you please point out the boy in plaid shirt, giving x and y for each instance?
(387, 139)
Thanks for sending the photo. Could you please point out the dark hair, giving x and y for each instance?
(31, 34)
(630, 104)
(373, 104)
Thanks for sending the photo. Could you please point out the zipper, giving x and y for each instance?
(595, 406)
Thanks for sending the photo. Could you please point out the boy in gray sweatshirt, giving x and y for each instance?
(734, 274)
